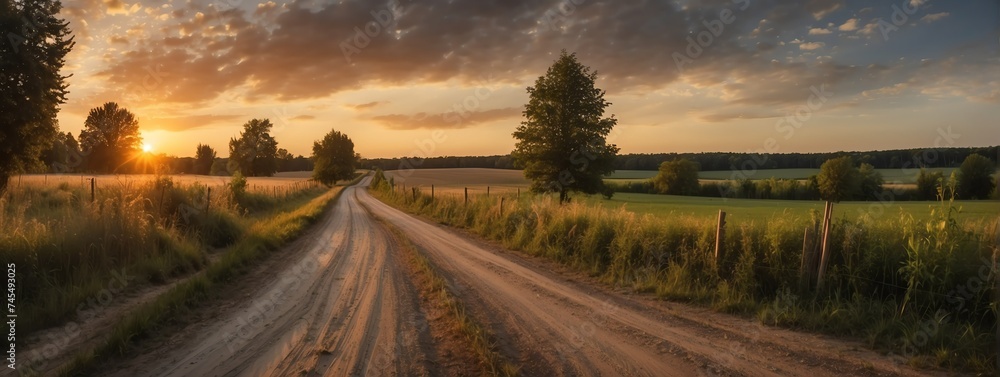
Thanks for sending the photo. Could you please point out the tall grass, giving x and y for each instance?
(67, 248)
(920, 288)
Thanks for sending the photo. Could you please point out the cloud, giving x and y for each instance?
(115, 7)
(819, 31)
(304, 117)
(870, 28)
(728, 116)
(451, 120)
(809, 46)
(190, 122)
(934, 17)
(364, 106)
(849, 25)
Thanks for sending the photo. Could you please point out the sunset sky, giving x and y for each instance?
(896, 74)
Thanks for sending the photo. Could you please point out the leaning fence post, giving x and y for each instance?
(825, 252)
(720, 235)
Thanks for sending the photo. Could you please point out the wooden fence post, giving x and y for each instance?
(93, 184)
(466, 195)
(208, 199)
(720, 236)
(519, 193)
(414, 189)
(501, 206)
(824, 253)
(432, 192)
(487, 191)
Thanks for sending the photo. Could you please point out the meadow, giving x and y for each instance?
(912, 279)
(891, 176)
(69, 246)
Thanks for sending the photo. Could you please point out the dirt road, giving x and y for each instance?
(345, 308)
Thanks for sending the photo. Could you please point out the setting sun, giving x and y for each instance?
(146, 147)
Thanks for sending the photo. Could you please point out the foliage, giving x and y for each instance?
(838, 179)
(871, 182)
(31, 85)
(677, 177)
(238, 186)
(334, 158)
(561, 143)
(204, 158)
(928, 183)
(759, 272)
(255, 152)
(111, 134)
(975, 179)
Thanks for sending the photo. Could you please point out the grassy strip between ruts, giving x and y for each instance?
(264, 236)
(480, 340)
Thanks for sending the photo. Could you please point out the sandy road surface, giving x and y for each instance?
(344, 308)
(551, 325)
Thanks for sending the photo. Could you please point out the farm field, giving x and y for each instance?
(898, 176)
(452, 182)
(280, 179)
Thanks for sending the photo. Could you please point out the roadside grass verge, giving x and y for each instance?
(920, 287)
(264, 235)
(71, 249)
(479, 339)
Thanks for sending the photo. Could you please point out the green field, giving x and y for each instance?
(453, 181)
(904, 176)
(759, 209)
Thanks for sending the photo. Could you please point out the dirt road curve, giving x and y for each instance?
(343, 309)
(346, 309)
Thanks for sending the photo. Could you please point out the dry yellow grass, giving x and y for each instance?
(454, 181)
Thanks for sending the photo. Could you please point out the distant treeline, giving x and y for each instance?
(747, 162)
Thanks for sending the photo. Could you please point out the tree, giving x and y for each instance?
(838, 179)
(32, 53)
(871, 182)
(204, 157)
(975, 177)
(111, 134)
(334, 158)
(677, 177)
(561, 144)
(255, 152)
(927, 184)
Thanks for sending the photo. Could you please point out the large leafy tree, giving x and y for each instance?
(334, 158)
(838, 179)
(255, 152)
(111, 134)
(561, 144)
(975, 179)
(677, 177)
(204, 157)
(871, 183)
(33, 47)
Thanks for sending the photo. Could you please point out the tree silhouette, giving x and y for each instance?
(204, 157)
(32, 53)
(838, 179)
(334, 158)
(255, 152)
(111, 134)
(561, 144)
(975, 180)
(678, 177)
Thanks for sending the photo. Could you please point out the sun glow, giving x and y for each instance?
(146, 147)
